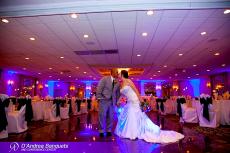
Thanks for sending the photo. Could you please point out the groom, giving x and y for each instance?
(108, 93)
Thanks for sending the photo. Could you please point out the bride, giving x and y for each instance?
(133, 123)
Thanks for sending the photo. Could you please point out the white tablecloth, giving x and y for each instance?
(39, 108)
(224, 107)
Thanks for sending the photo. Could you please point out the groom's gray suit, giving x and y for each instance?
(108, 95)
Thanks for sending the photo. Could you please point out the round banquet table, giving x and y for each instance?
(224, 107)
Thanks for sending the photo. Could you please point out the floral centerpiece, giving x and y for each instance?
(145, 107)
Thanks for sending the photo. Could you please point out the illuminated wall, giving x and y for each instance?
(9, 83)
(194, 87)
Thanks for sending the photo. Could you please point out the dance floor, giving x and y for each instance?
(83, 128)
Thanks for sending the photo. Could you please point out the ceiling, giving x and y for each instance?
(170, 32)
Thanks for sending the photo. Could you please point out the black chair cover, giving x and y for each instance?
(179, 102)
(58, 102)
(78, 105)
(89, 104)
(70, 106)
(205, 103)
(161, 101)
(3, 119)
(29, 110)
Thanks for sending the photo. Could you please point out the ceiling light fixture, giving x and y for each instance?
(5, 20)
(159, 71)
(180, 54)
(165, 66)
(138, 55)
(208, 70)
(69, 76)
(144, 34)
(61, 57)
(217, 54)
(39, 73)
(194, 65)
(189, 77)
(73, 15)
(227, 11)
(32, 38)
(86, 36)
(50, 76)
(203, 33)
(150, 12)
(50, 68)
(197, 74)
(24, 68)
(84, 72)
(223, 65)
(77, 67)
(27, 58)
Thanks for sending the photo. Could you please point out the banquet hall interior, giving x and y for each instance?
(53, 54)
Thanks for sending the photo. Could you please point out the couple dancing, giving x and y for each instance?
(132, 122)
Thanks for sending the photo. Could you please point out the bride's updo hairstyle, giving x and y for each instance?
(125, 74)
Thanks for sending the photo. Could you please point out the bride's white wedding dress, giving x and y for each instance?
(133, 123)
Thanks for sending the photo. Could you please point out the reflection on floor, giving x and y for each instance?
(83, 128)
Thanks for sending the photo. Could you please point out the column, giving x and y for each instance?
(88, 89)
(142, 88)
(158, 89)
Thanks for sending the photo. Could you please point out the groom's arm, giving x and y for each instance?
(100, 88)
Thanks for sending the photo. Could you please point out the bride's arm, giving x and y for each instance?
(131, 84)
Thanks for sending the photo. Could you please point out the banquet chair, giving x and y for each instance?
(64, 112)
(214, 117)
(16, 121)
(3, 120)
(50, 114)
(187, 114)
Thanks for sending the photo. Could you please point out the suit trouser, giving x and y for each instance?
(105, 115)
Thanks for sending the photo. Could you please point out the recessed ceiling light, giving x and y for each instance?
(197, 74)
(151, 78)
(208, 70)
(61, 72)
(27, 58)
(5, 20)
(69, 76)
(189, 77)
(144, 34)
(227, 11)
(77, 67)
(24, 68)
(50, 68)
(154, 75)
(84, 72)
(32, 38)
(39, 73)
(76, 79)
(73, 15)
(217, 54)
(159, 71)
(58, 79)
(180, 54)
(194, 65)
(50, 76)
(150, 12)
(138, 55)
(184, 71)
(86, 36)
(203, 33)
(170, 77)
(165, 66)
(223, 65)
(176, 74)
(62, 57)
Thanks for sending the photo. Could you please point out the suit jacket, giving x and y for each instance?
(106, 91)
